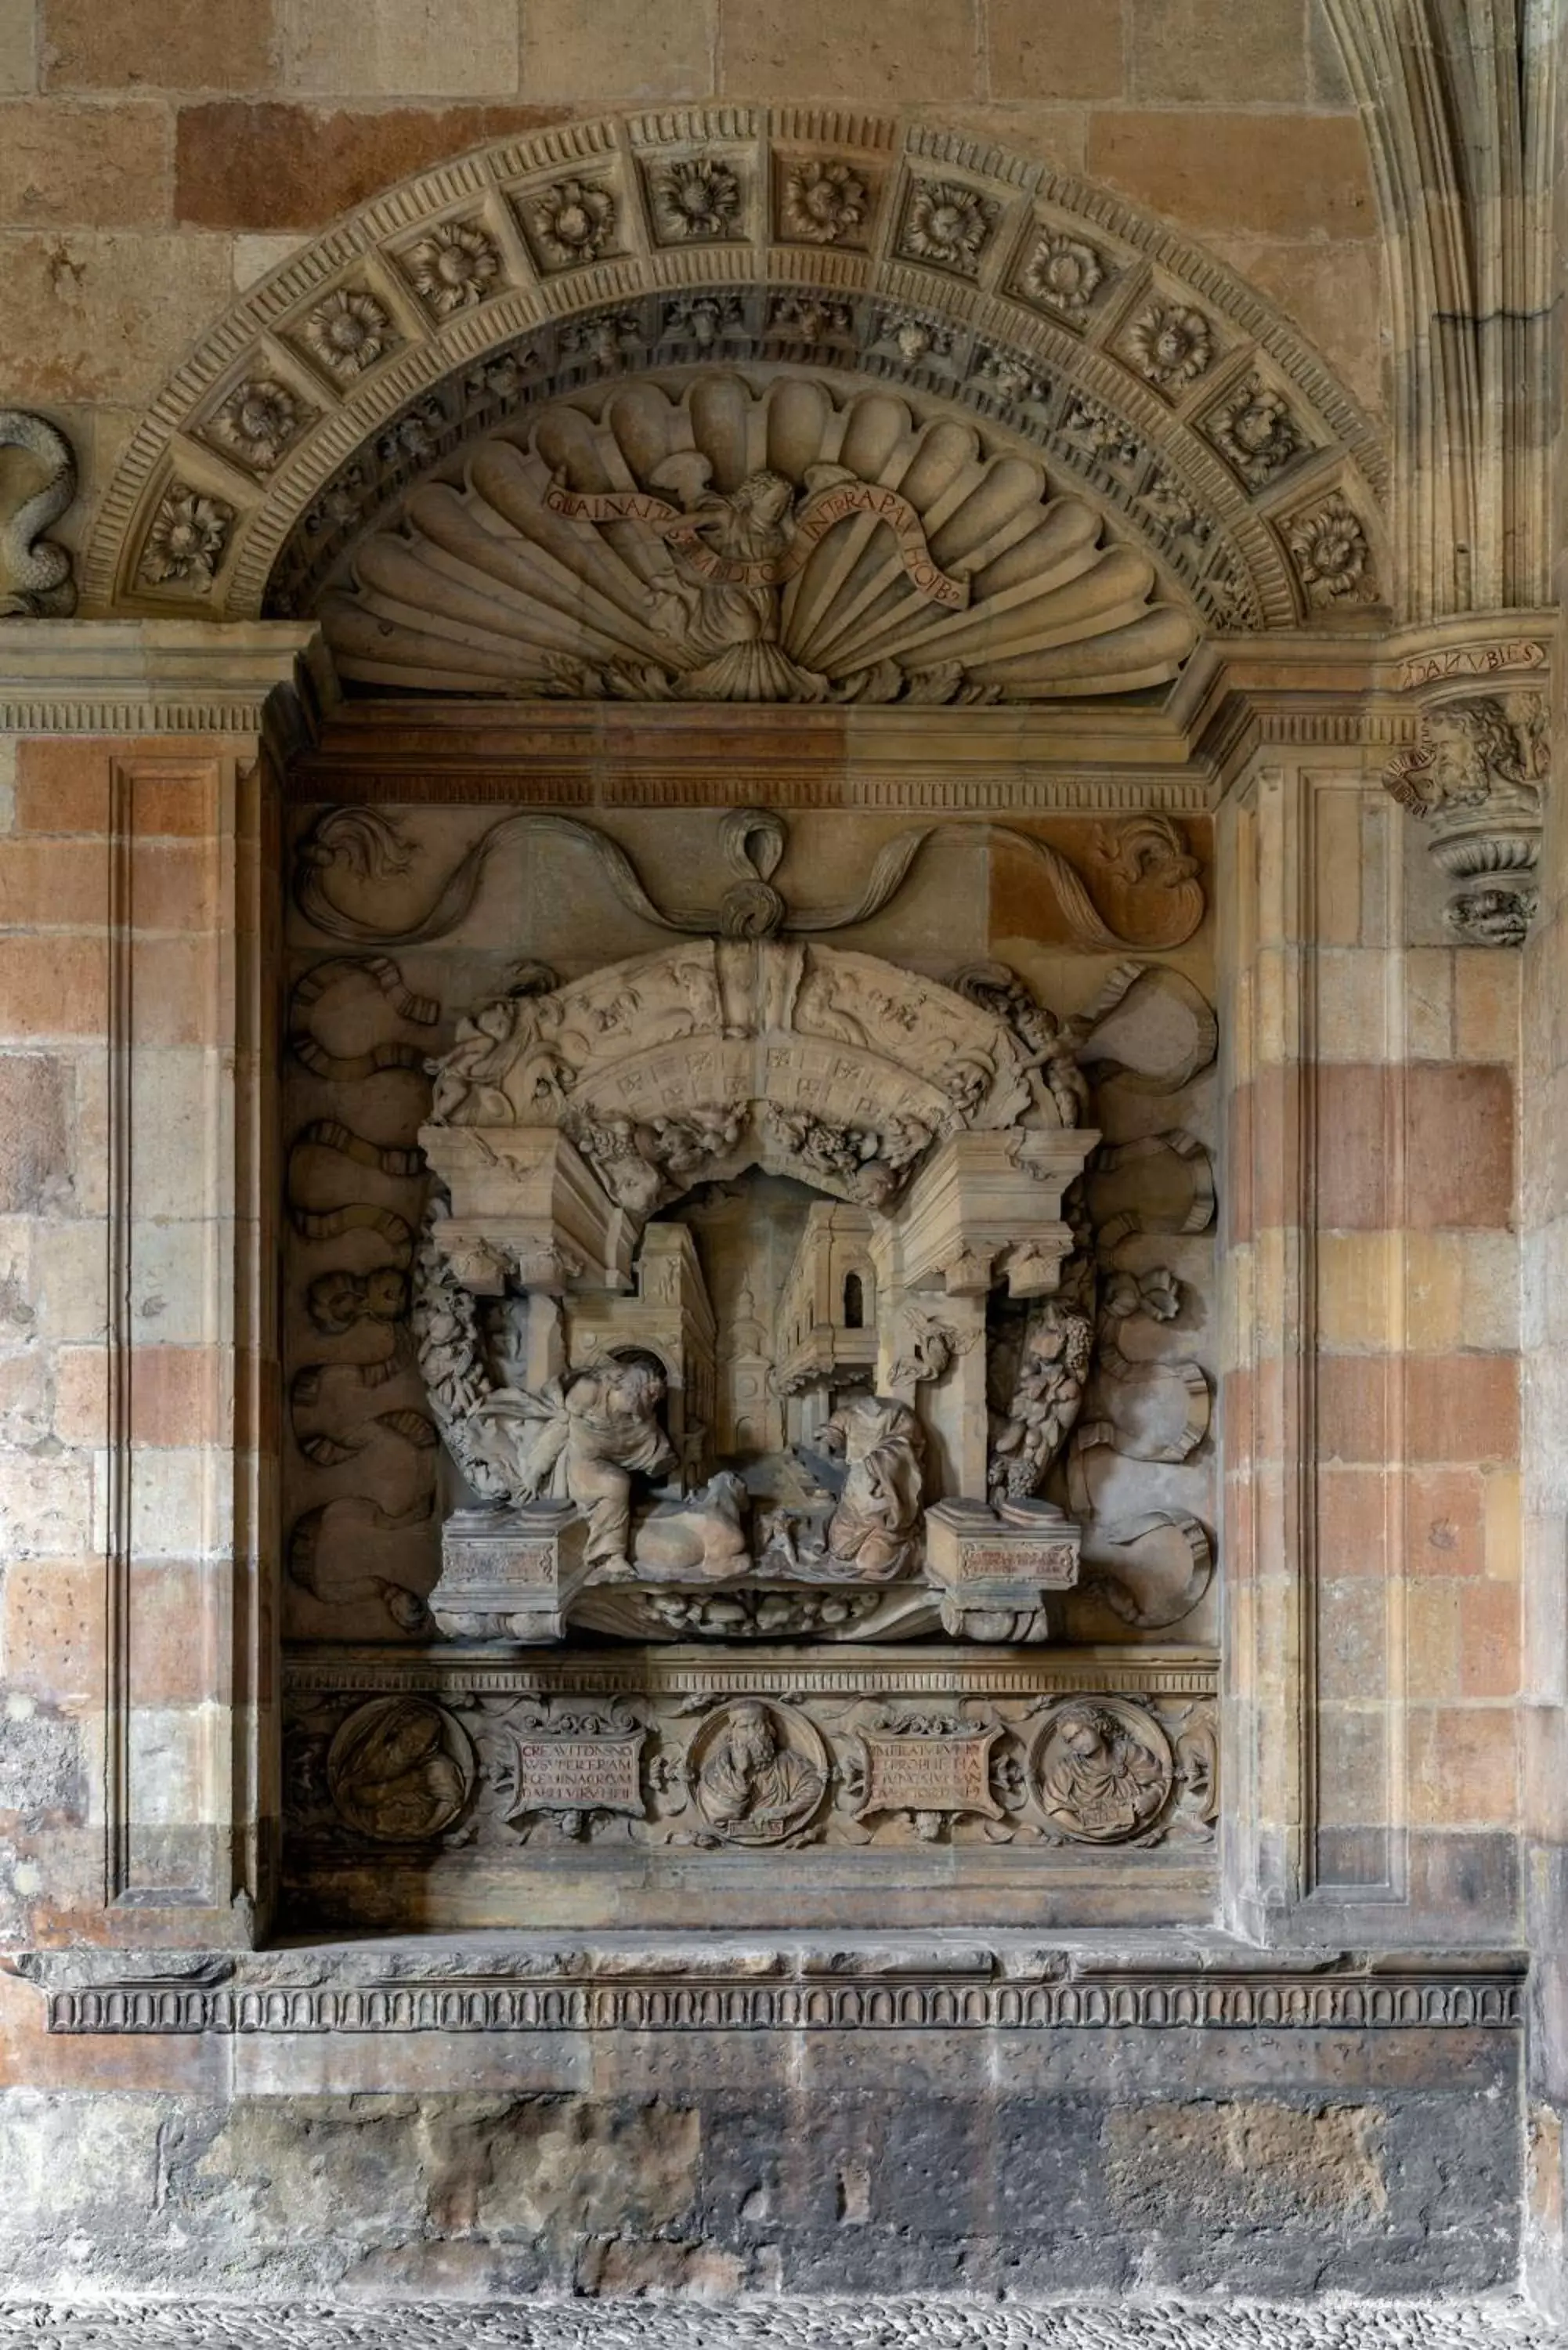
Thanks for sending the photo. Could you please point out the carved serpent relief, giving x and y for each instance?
(364, 845)
(36, 580)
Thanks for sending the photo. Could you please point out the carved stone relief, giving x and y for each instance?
(745, 1365)
(1475, 781)
(969, 1376)
(479, 1763)
(872, 558)
(952, 274)
(36, 580)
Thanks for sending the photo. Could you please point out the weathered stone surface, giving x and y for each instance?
(569, 56)
(88, 166)
(153, 44)
(82, 330)
(912, 49)
(874, 2179)
(277, 166)
(1200, 49)
(34, 1163)
(396, 47)
(1302, 175)
(1049, 49)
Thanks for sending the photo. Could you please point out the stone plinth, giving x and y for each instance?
(509, 1575)
(997, 1571)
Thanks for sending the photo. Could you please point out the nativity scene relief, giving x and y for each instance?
(769, 1297)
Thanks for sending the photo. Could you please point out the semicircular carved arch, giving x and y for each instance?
(1155, 385)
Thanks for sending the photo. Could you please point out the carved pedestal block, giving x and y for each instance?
(510, 1575)
(998, 1570)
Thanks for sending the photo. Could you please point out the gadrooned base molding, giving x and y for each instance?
(879, 2324)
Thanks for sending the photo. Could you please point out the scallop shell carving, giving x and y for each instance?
(736, 545)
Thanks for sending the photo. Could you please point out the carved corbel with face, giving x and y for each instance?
(1476, 780)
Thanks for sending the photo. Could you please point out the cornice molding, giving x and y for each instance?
(1352, 690)
(136, 678)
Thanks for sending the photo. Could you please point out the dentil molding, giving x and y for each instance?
(662, 1983)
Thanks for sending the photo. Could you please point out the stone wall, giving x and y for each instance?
(1543, 1249)
(1022, 2162)
(139, 1424)
(1286, 2098)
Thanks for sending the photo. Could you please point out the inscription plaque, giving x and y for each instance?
(580, 1774)
(509, 1575)
(1054, 1564)
(951, 1773)
(493, 1565)
(1030, 1548)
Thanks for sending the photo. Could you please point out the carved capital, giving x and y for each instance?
(1476, 780)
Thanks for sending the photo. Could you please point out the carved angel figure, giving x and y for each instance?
(471, 1086)
(876, 1530)
(736, 627)
(583, 1440)
(1047, 1401)
(1049, 1043)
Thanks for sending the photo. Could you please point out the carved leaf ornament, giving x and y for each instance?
(740, 546)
